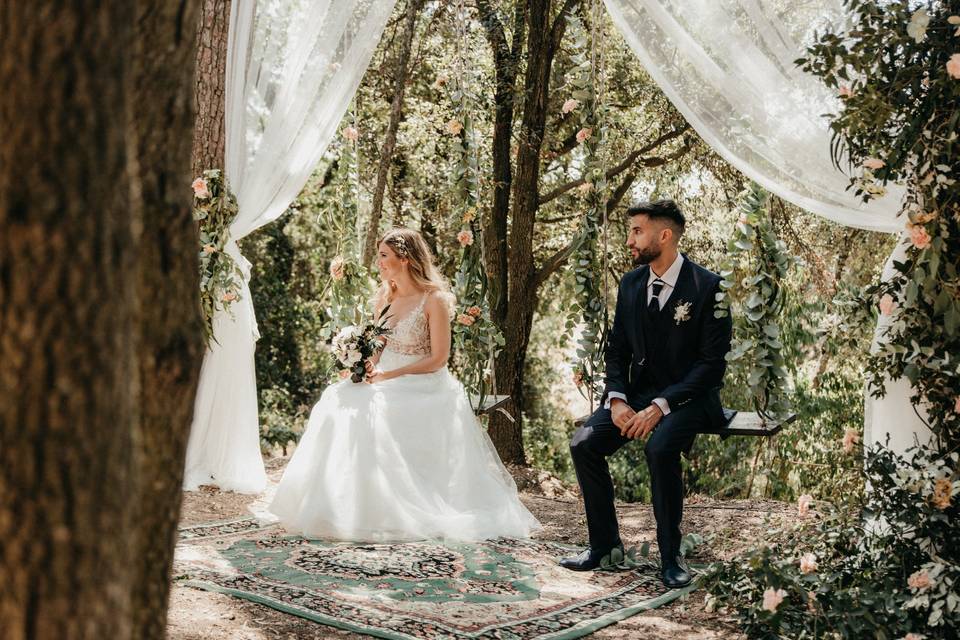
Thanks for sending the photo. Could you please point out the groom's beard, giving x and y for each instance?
(646, 256)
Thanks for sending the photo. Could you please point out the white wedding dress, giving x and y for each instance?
(404, 459)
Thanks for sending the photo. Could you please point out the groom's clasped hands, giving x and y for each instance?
(634, 424)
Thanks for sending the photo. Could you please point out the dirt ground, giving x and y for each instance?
(729, 527)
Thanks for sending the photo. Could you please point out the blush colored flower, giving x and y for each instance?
(772, 599)
(953, 66)
(874, 163)
(808, 563)
(336, 268)
(803, 505)
(200, 189)
(441, 80)
(344, 373)
(469, 215)
(914, 636)
(229, 296)
(919, 581)
(570, 105)
(350, 133)
(209, 248)
(584, 134)
(887, 304)
(454, 127)
(846, 91)
(465, 238)
(942, 493)
(466, 319)
(475, 311)
(577, 377)
(956, 405)
(850, 438)
(917, 29)
(919, 236)
(585, 188)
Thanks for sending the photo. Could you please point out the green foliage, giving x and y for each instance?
(899, 123)
(757, 336)
(843, 576)
(214, 208)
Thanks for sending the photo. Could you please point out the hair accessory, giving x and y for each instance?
(400, 244)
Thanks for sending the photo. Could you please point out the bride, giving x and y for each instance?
(401, 456)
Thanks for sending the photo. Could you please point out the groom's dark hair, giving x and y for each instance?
(665, 209)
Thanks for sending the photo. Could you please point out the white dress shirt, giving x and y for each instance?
(669, 280)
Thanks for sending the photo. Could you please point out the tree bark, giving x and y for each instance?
(210, 95)
(69, 295)
(171, 330)
(401, 75)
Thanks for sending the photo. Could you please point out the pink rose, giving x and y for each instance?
(803, 505)
(919, 581)
(465, 319)
(577, 377)
(454, 127)
(772, 599)
(942, 493)
(336, 268)
(465, 238)
(229, 296)
(209, 248)
(953, 66)
(914, 636)
(846, 91)
(584, 134)
(808, 563)
(475, 311)
(956, 405)
(887, 304)
(874, 163)
(850, 438)
(350, 133)
(919, 236)
(570, 105)
(200, 189)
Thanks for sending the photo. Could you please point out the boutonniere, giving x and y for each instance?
(681, 313)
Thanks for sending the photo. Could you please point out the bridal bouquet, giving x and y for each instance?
(353, 346)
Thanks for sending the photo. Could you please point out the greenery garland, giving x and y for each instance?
(897, 74)
(589, 311)
(758, 329)
(476, 338)
(214, 209)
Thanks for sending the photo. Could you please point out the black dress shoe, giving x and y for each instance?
(675, 574)
(590, 559)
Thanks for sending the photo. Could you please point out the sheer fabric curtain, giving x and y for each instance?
(727, 65)
(292, 68)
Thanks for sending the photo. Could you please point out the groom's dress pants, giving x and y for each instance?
(599, 438)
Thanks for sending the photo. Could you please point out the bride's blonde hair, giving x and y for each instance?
(409, 244)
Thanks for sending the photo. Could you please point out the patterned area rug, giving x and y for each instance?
(497, 589)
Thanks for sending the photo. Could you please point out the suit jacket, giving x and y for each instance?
(691, 346)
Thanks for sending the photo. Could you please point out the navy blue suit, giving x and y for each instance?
(656, 355)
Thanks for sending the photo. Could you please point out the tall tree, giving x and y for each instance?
(210, 90)
(170, 325)
(73, 294)
(401, 75)
(524, 69)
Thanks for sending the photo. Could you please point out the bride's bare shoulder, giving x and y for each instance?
(440, 302)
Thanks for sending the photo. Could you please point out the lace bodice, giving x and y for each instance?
(411, 334)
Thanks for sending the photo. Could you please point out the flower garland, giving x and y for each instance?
(759, 334)
(476, 337)
(589, 263)
(214, 209)
(898, 122)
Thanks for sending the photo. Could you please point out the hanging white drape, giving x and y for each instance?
(728, 67)
(292, 68)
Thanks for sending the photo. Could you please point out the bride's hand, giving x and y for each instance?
(378, 376)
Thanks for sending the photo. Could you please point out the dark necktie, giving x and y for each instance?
(654, 305)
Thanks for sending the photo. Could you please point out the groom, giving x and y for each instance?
(665, 361)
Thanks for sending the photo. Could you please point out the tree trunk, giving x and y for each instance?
(401, 75)
(542, 39)
(211, 73)
(69, 289)
(171, 339)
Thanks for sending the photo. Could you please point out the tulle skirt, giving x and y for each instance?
(404, 459)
